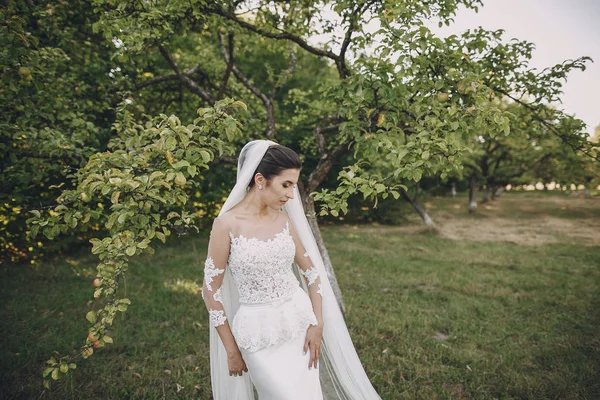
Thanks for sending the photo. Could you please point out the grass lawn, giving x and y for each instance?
(503, 304)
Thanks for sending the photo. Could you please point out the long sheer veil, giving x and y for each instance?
(341, 373)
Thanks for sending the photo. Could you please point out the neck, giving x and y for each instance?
(252, 205)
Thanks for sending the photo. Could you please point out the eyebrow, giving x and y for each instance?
(288, 181)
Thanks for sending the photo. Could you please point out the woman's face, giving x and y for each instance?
(280, 188)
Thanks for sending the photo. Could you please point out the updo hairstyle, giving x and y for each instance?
(276, 159)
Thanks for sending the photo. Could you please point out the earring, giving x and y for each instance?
(259, 187)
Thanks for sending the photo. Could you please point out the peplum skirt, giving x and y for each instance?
(271, 339)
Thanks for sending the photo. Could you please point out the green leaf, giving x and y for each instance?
(115, 197)
(107, 339)
(55, 374)
(130, 251)
(181, 164)
(91, 316)
(170, 143)
(48, 371)
(240, 104)
(206, 156)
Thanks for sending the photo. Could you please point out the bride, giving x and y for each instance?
(275, 328)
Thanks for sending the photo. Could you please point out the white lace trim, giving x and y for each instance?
(210, 271)
(310, 274)
(217, 317)
(218, 297)
(320, 291)
(256, 328)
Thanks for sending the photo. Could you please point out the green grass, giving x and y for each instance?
(431, 317)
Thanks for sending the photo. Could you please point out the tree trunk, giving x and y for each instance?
(311, 216)
(472, 200)
(496, 190)
(588, 194)
(453, 190)
(419, 209)
(486, 195)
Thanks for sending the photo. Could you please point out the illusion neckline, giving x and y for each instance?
(285, 230)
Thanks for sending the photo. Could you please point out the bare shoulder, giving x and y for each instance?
(223, 223)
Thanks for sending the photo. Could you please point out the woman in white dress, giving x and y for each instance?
(275, 329)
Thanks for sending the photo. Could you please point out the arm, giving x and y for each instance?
(214, 269)
(313, 281)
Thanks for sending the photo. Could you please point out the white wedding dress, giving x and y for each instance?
(270, 325)
(263, 283)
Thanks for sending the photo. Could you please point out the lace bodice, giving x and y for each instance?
(262, 269)
(273, 305)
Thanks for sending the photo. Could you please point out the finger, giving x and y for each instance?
(312, 357)
(305, 346)
(316, 356)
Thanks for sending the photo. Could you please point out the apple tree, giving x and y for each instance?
(394, 104)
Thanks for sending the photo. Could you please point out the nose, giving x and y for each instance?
(290, 194)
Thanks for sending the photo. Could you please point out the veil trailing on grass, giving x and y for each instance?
(341, 372)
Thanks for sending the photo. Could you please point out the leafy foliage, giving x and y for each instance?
(141, 180)
(52, 115)
(385, 108)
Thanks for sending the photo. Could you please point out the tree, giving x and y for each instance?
(412, 103)
(55, 109)
(499, 160)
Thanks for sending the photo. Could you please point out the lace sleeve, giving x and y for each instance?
(310, 274)
(214, 268)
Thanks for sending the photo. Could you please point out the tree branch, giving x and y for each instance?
(279, 36)
(548, 125)
(324, 127)
(189, 82)
(229, 65)
(268, 102)
(324, 166)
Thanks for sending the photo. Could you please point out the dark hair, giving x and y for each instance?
(276, 159)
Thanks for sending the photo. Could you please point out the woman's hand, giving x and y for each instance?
(236, 363)
(314, 334)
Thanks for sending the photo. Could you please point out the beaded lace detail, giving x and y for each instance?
(216, 317)
(210, 271)
(262, 269)
(311, 275)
